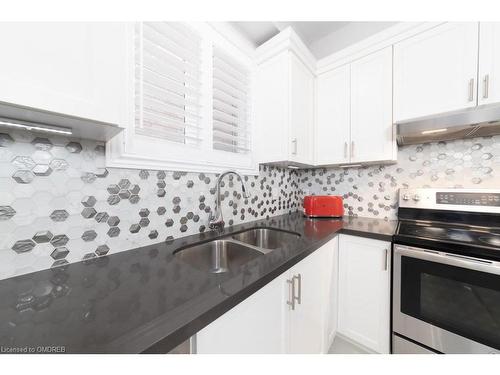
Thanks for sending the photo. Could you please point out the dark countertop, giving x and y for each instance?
(147, 300)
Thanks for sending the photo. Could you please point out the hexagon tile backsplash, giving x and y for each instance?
(372, 191)
(58, 203)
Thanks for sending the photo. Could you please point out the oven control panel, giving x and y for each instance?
(472, 200)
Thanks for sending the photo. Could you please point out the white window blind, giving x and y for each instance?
(168, 82)
(231, 130)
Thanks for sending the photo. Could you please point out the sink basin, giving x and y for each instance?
(217, 256)
(266, 238)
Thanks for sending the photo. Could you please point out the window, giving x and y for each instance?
(189, 99)
(168, 82)
(231, 131)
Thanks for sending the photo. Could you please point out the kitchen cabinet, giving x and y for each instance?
(354, 112)
(372, 135)
(364, 292)
(436, 71)
(333, 116)
(301, 112)
(77, 69)
(489, 63)
(255, 326)
(307, 315)
(331, 289)
(288, 315)
(284, 103)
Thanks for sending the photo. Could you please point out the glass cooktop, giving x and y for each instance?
(448, 233)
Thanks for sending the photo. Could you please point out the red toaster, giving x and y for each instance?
(323, 206)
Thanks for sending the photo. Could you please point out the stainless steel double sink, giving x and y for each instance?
(222, 255)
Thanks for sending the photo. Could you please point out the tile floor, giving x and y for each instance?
(342, 346)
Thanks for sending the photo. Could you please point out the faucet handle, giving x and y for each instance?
(244, 190)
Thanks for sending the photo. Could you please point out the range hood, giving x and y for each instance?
(474, 122)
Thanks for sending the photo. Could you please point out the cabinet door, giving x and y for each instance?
(307, 320)
(371, 108)
(364, 291)
(255, 326)
(77, 68)
(489, 63)
(272, 107)
(301, 112)
(333, 121)
(436, 71)
(331, 293)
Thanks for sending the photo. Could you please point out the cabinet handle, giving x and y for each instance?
(386, 260)
(345, 150)
(294, 150)
(352, 149)
(299, 287)
(471, 89)
(291, 292)
(486, 84)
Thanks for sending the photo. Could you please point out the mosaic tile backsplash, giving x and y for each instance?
(59, 204)
(372, 191)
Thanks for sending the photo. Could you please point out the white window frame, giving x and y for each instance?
(132, 150)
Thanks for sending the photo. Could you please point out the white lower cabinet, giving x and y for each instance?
(307, 315)
(255, 326)
(364, 291)
(289, 315)
(332, 288)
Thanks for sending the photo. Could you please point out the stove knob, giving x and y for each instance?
(416, 197)
(406, 197)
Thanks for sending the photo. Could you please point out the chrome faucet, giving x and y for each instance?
(215, 220)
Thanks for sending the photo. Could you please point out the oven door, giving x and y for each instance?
(447, 302)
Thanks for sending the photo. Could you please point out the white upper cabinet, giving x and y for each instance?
(271, 112)
(372, 137)
(301, 111)
(436, 71)
(76, 69)
(285, 101)
(354, 112)
(489, 63)
(333, 117)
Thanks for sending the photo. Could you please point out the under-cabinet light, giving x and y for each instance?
(32, 126)
(293, 167)
(434, 131)
(350, 166)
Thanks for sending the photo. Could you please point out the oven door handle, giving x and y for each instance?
(476, 264)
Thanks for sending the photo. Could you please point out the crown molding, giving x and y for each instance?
(233, 36)
(380, 40)
(289, 40)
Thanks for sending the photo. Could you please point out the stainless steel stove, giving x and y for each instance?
(446, 274)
